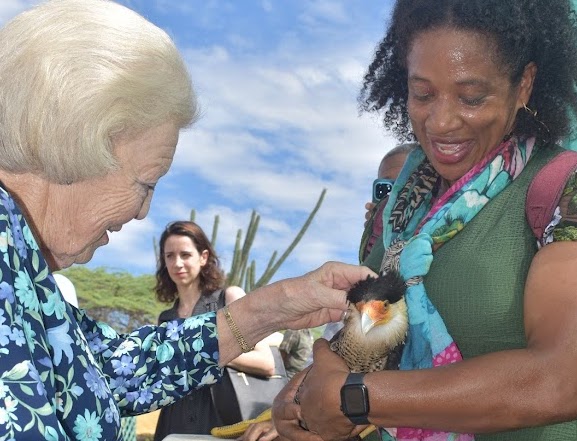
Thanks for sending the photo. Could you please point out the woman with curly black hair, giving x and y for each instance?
(488, 89)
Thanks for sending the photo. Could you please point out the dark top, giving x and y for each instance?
(195, 413)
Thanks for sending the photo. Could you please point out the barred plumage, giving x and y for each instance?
(376, 325)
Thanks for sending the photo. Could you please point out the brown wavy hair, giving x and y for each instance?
(211, 275)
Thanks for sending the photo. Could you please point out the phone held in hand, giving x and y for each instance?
(381, 189)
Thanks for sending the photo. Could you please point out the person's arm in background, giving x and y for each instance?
(287, 347)
(260, 360)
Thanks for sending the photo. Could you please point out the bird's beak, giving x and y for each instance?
(367, 323)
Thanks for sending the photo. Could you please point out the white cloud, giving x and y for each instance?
(323, 10)
(131, 247)
(9, 8)
(274, 133)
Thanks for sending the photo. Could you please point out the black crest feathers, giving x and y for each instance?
(387, 286)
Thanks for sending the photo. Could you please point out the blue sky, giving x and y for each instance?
(277, 82)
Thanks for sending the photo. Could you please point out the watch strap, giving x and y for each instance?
(356, 378)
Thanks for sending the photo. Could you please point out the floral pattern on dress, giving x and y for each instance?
(64, 376)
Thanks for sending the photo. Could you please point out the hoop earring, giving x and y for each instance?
(533, 113)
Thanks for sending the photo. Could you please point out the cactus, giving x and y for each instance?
(243, 275)
(272, 269)
(214, 230)
(238, 277)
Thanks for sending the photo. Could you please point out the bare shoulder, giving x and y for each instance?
(233, 293)
(550, 300)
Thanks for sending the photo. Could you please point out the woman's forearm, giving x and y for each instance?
(475, 396)
(257, 362)
(252, 320)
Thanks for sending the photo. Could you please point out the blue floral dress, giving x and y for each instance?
(64, 376)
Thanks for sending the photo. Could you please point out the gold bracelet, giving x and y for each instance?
(235, 331)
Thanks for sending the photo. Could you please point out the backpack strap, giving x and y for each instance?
(545, 191)
(215, 300)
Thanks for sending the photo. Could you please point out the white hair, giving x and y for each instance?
(76, 73)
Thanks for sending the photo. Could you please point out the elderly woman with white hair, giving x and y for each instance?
(92, 99)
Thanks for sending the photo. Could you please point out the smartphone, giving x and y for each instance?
(381, 189)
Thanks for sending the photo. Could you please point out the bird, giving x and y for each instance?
(375, 325)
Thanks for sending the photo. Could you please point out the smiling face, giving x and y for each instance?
(183, 261)
(80, 215)
(461, 101)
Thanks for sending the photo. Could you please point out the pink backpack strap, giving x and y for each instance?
(545, 191)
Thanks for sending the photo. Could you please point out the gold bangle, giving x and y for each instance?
(235, 331)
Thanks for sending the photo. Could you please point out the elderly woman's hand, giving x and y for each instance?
(319, 297)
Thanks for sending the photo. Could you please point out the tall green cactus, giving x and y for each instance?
(242, 273)
(272, 267)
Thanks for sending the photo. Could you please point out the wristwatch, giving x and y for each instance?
(355, 399)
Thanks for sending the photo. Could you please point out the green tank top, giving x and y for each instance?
(477, 283)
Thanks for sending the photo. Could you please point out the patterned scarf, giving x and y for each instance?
(416, 224)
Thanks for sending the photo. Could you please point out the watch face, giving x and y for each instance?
(354, 400)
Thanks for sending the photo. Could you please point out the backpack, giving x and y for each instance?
(546, 189)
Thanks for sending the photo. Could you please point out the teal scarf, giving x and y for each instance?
(416, 223)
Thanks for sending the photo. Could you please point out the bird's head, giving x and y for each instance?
(379, 301)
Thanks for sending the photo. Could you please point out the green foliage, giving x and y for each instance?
(101, 288)
(568, 233)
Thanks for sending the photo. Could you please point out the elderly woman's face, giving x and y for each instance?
(461, 102)
(100, 205)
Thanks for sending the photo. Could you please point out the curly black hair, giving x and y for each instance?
(523, 31)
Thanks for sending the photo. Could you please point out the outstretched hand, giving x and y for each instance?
(319, 297)
(302, 302)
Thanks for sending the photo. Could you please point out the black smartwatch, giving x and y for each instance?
(355, 399)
